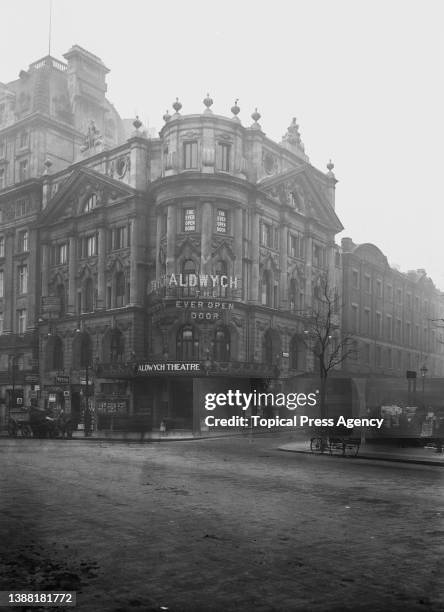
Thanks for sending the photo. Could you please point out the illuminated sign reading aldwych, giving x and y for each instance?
(206, 281)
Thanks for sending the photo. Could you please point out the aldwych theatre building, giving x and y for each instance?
(140, 273)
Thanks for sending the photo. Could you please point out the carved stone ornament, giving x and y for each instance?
(92, 138)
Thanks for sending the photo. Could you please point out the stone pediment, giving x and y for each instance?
(299, 191)
(84, 191)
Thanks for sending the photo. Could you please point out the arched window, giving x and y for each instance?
(58, 354)
(120, 289)
(189, 278)
(116, 346)
(187, 343)
(266, 288)
(88, 300)
(221, 270)
(82, 350)
(60, 291)
(222, 344)
(295, 295)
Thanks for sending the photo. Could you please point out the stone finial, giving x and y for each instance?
(235, 109)
(47, 163)
(137, 123)
(166, 116)
(208, 102)
(177, 106)
(256, 115)
(330, 165)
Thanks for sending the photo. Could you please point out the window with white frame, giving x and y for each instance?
(91, 245)
(119, 235)
(23, 279)
(266, 235)
(23, 241)
(296, 245)
(23, 170)
(21, 321)
(190, 155)
(223, 156)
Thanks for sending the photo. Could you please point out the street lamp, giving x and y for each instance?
(423, 371)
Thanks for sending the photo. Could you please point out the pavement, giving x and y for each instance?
(381, 452)
(219, 525)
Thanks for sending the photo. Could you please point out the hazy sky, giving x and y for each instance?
(363, 78)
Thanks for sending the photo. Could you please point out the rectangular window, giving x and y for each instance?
(378, 359)
(399, 296)
(379, 288)
(398, 330)
(390, 293)
(399, 360)
(2, 246)
(355, 279)
(296, 246)
(61, 253)
(91, 245)
(23, 241)
(23, 279)
(2, 178)
(408, 334)
(23, 170)
(367, 284)
(2, 288)
(223, 157)
(408, 299)
(266, 235)
(190, 155)
(354, 317)
(24, 140)
(189, 221)
(378, 325)
(318, 256)
(21, 321)
(1, 322)
(389, 358)
(367, 321)
(119, 238)
(20, 208)
(221, 221)
(367, 353)
(389, 327)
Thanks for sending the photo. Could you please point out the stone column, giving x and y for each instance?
(9, 285)
(206, 238)
(134, 281)
(32, 281)
(171, 240)
(283, 289)
(72, 266)
(45, 269)
(254, 285)
(101, 287)
(238, 249)
(158, 237)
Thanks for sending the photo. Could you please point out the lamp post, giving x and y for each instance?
(13, 365)
(423, 371)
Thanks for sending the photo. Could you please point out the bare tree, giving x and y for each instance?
(324, 337)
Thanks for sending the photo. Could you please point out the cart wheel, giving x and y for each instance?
(317, 445)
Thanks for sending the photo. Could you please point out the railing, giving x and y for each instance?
(48, 61)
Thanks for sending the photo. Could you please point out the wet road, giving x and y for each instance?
(227, 524)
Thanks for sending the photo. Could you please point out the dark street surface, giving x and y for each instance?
(219, 525)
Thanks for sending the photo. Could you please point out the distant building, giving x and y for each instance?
(393, 316)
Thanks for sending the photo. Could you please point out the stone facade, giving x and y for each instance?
(394, 316)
